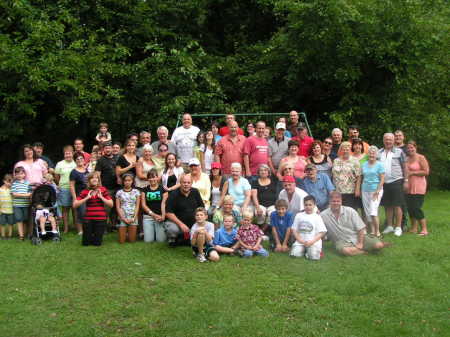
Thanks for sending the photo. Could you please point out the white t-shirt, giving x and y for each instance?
(185, 140)
(308, 226)
(209, 226)
(42, 213)
(296, 203)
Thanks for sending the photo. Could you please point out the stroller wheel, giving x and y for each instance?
(56, 239)
(36, 241)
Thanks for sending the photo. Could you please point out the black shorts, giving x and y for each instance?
(349, 199)
(207, 249)
(393, 195)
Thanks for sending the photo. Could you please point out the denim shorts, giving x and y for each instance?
(21, 214)
(65, 198)
(7, 219)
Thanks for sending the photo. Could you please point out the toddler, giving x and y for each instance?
(103, 135)
(249, 237)
(281, 223)
(225, 237)
(42, 215)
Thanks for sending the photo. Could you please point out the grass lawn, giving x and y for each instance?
(150, 290)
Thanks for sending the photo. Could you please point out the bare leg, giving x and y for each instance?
(224, 250)
(414, 225)
(10, 230)
(132, 230)
(2, 230)
(398, 216)
(352, 251)
(20, 229)
(74, 216)
(53, 223)
(375, 226)
(423, 224)
(201, 239)
(389, 211)
(122, 234)
(65, 214)
(42, 224)
(213, 256)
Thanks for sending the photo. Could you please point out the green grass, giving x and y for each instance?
(150, 290)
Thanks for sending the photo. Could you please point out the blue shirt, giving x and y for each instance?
(224, 238)
(371, 176)
(281, 223)
(320, 189)
(238, 191)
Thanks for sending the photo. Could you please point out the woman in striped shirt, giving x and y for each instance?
(95, 197)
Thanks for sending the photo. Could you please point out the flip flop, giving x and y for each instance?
(423, 233)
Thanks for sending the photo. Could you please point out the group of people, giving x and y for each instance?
(225, 190)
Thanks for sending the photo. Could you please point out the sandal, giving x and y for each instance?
(423, 233)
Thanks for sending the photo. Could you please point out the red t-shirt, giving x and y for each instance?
(223, 131)
(304, 146)
(95, 208)
(257, 150)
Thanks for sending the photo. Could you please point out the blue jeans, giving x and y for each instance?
(153, 230)
(250, 253)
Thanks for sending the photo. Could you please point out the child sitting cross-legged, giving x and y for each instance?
(249, 237)
(225, 237)
(308, 230)
(202, 235)
(281, 222)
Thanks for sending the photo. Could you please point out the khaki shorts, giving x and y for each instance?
(369, 244)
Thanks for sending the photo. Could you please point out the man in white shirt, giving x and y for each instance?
(185, 138)
(293, 195)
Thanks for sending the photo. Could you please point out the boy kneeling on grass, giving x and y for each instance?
(308, 230)
(249, 237)
(225, 237)
(281, 222)
(202, 235)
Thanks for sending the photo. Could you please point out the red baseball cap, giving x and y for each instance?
(288, 179)
(216, 165)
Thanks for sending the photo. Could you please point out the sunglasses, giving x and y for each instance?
(329, 143)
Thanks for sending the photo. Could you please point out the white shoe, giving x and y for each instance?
(201, 258)
(388, 229)
(265, 238)
(43, 233)
(80, 233)
(398, 231)
(55, 232)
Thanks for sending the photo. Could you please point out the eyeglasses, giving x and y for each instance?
(163, 150)
(329, 143)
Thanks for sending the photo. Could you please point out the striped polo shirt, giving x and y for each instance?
(21, 187)
(95, 208)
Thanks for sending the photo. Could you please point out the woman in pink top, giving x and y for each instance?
(35, 168)
(298, 162)
(418, 169)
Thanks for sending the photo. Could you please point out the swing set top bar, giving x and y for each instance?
(274, 114)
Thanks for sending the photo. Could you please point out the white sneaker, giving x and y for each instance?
(55, 232)
(201, 258)
(398, 231)
(388, 229)
(43, 233)
(265, 238)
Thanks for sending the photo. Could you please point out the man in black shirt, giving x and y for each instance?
(180, 210)
(106, 168)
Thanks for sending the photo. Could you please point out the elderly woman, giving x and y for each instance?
(321, 160)
(226, 209)
(298, 162)
(416, 187)
(200, 181)
(238, 187)
(264, 195)
(347, 176)
(35, 168)
(143, 166)
(372, 189)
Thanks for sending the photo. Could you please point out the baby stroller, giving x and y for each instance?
(44, 195)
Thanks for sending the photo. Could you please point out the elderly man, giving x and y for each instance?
(346, 229)
(185, 139)
(225, 130)
(293, 195)
(256, 151)
(180, 211)
(336, 136)
(144, 138)
(163, 138)
(304, 142)
(318, 185)
(230, 149)
(394, 160)
(278, 147)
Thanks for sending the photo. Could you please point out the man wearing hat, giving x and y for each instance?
(278, 147)
(318, 185)
(292, 194)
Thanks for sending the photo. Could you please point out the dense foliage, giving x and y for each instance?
(66, 65)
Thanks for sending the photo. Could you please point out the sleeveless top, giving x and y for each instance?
(141, 183)
(324, 166)
(417, 184)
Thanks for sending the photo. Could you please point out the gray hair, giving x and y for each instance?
(236, 165)
(336, 130)
(143, 133)
(390, 134)
(373, 148)
(162, 128)
(264, 166)
(147, 147)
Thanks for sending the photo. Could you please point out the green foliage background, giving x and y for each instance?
(67, 65)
